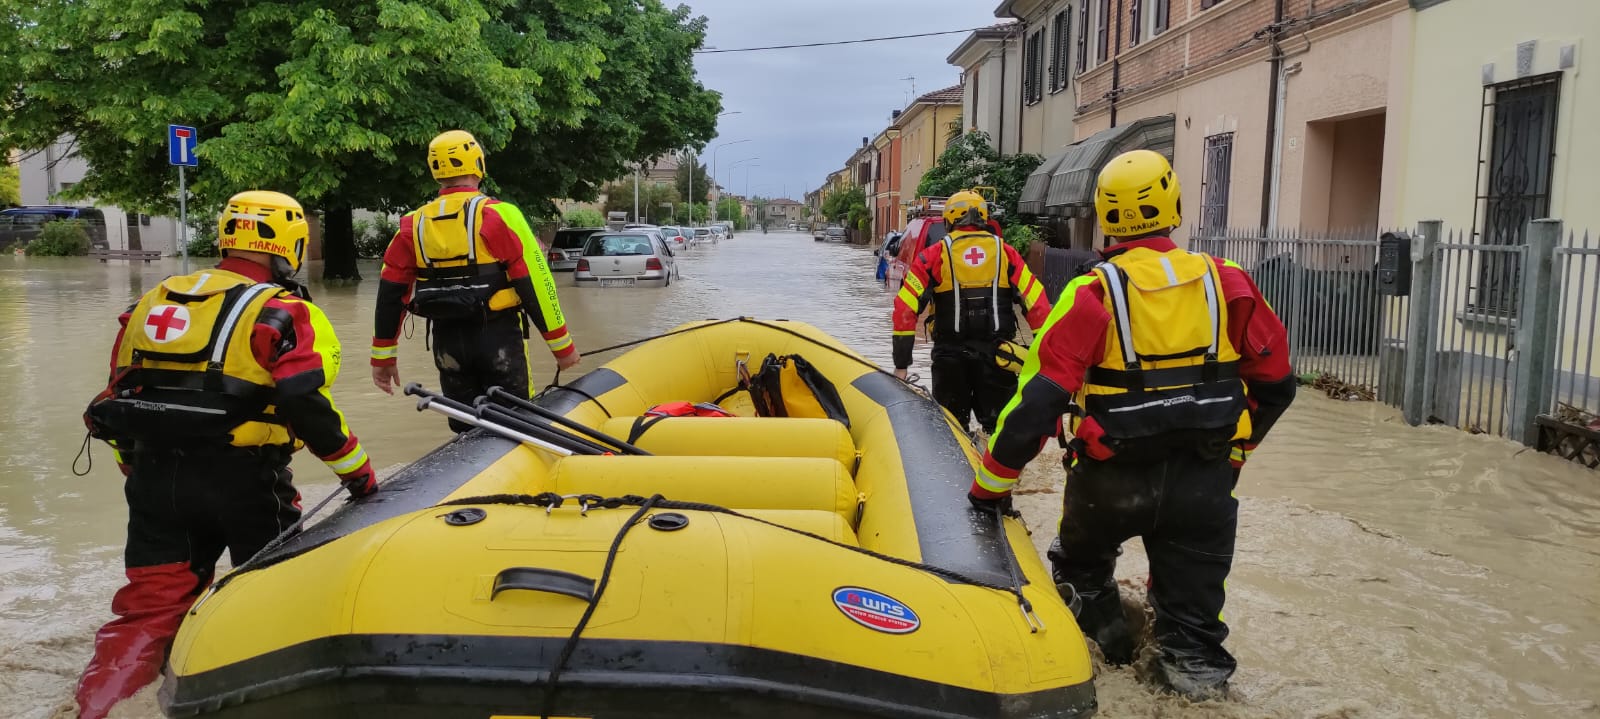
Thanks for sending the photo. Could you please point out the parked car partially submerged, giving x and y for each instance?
(676, 237)
(567, 247)
(23, 224)
(627, 258)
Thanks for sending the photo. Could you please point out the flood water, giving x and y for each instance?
(1382, 570)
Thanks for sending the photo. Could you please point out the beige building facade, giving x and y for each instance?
(925, 130)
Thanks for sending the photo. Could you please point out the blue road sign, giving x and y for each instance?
(180, 146)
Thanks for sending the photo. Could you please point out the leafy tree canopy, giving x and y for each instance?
(970, 161)
(10, 185)
(619, 198)
(334, 101)
(846, 204)
(584, 217)
(702, 182)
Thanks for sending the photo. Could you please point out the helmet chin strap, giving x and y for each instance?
(281, 269)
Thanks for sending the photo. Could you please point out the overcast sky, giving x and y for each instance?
(805, 110)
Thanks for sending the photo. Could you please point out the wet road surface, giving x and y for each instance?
(1381, 570)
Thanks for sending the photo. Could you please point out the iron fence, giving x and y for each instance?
(1344, 335)
(1576, 387)
(1481, 335)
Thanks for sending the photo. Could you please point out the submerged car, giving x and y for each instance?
(567, 247)
(22, 225)
(676, 237)
(704, 234)
(628, 258)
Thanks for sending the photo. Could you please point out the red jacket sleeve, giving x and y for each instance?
(921, 278)
(295, 341)
(394, 291)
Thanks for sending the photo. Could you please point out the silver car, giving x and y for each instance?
(567, 247)
(704, 234)
(627, 258)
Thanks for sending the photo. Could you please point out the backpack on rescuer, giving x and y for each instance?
(457, 276)
(1170, 373)
(789, 386)
(185, 369)
(973, 297)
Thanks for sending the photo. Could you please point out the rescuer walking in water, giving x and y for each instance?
(972, 278)
(1174, 368)
(472, 267)
(217, 377)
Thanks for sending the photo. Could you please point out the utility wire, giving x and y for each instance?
(834, 42)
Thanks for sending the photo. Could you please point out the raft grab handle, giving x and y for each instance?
(536, 579)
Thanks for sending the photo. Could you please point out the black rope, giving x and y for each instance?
(83, 453)
(571, 645)
(550, 500)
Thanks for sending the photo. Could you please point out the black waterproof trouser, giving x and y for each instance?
(1183, 508)
(188, 505)
(966, 381)
(184, 508)
(474, 355)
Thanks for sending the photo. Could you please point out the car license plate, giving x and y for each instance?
(618, 282)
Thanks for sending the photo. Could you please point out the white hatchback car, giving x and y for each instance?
(627, 258)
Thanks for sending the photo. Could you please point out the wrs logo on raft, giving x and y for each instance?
(879, 612)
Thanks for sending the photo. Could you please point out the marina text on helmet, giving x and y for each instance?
(1137, 195)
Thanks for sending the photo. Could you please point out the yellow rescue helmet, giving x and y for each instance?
(454, 154)
(966, 208)
(1137, 194)
(268, 222)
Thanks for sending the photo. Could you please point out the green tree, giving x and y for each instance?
(334, 101)
(702, 182)
(584, 217)
(729, 210)
(619, 198)
(10, 184)
(839, 206)
(970, 162)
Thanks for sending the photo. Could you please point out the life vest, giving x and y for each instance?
(457, 276)
(972, 300)
(1170, 372)
(673, 409)
(185, 371)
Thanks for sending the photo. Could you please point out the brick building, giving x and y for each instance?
(1279, 113)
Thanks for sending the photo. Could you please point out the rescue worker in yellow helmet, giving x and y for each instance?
(1175, 369)
(217, 377)
(971, 278)
(471, 266)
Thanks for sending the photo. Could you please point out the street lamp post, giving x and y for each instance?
(714, 168)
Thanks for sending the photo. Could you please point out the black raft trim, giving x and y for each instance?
(951, 534)
(387, 676)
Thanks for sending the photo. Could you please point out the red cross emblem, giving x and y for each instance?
(974, 257)
(166, 323)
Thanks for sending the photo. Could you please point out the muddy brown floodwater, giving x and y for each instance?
(1382, 570)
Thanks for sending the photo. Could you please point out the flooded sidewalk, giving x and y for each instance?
(1390, 571)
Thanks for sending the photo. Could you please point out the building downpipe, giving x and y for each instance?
(1276, 92)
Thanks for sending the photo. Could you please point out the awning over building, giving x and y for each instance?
(1063, 186)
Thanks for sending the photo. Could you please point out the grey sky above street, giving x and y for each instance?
(805, 110)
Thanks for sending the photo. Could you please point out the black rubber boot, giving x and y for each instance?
(1100, 617)
(1192, 676)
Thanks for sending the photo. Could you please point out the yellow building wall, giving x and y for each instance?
(1452, 44)
(1453, 41)
(925, 137)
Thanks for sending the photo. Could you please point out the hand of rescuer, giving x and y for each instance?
(564, 363)
(386, 377)
(361, 481)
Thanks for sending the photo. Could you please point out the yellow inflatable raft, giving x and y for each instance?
(746, 567)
